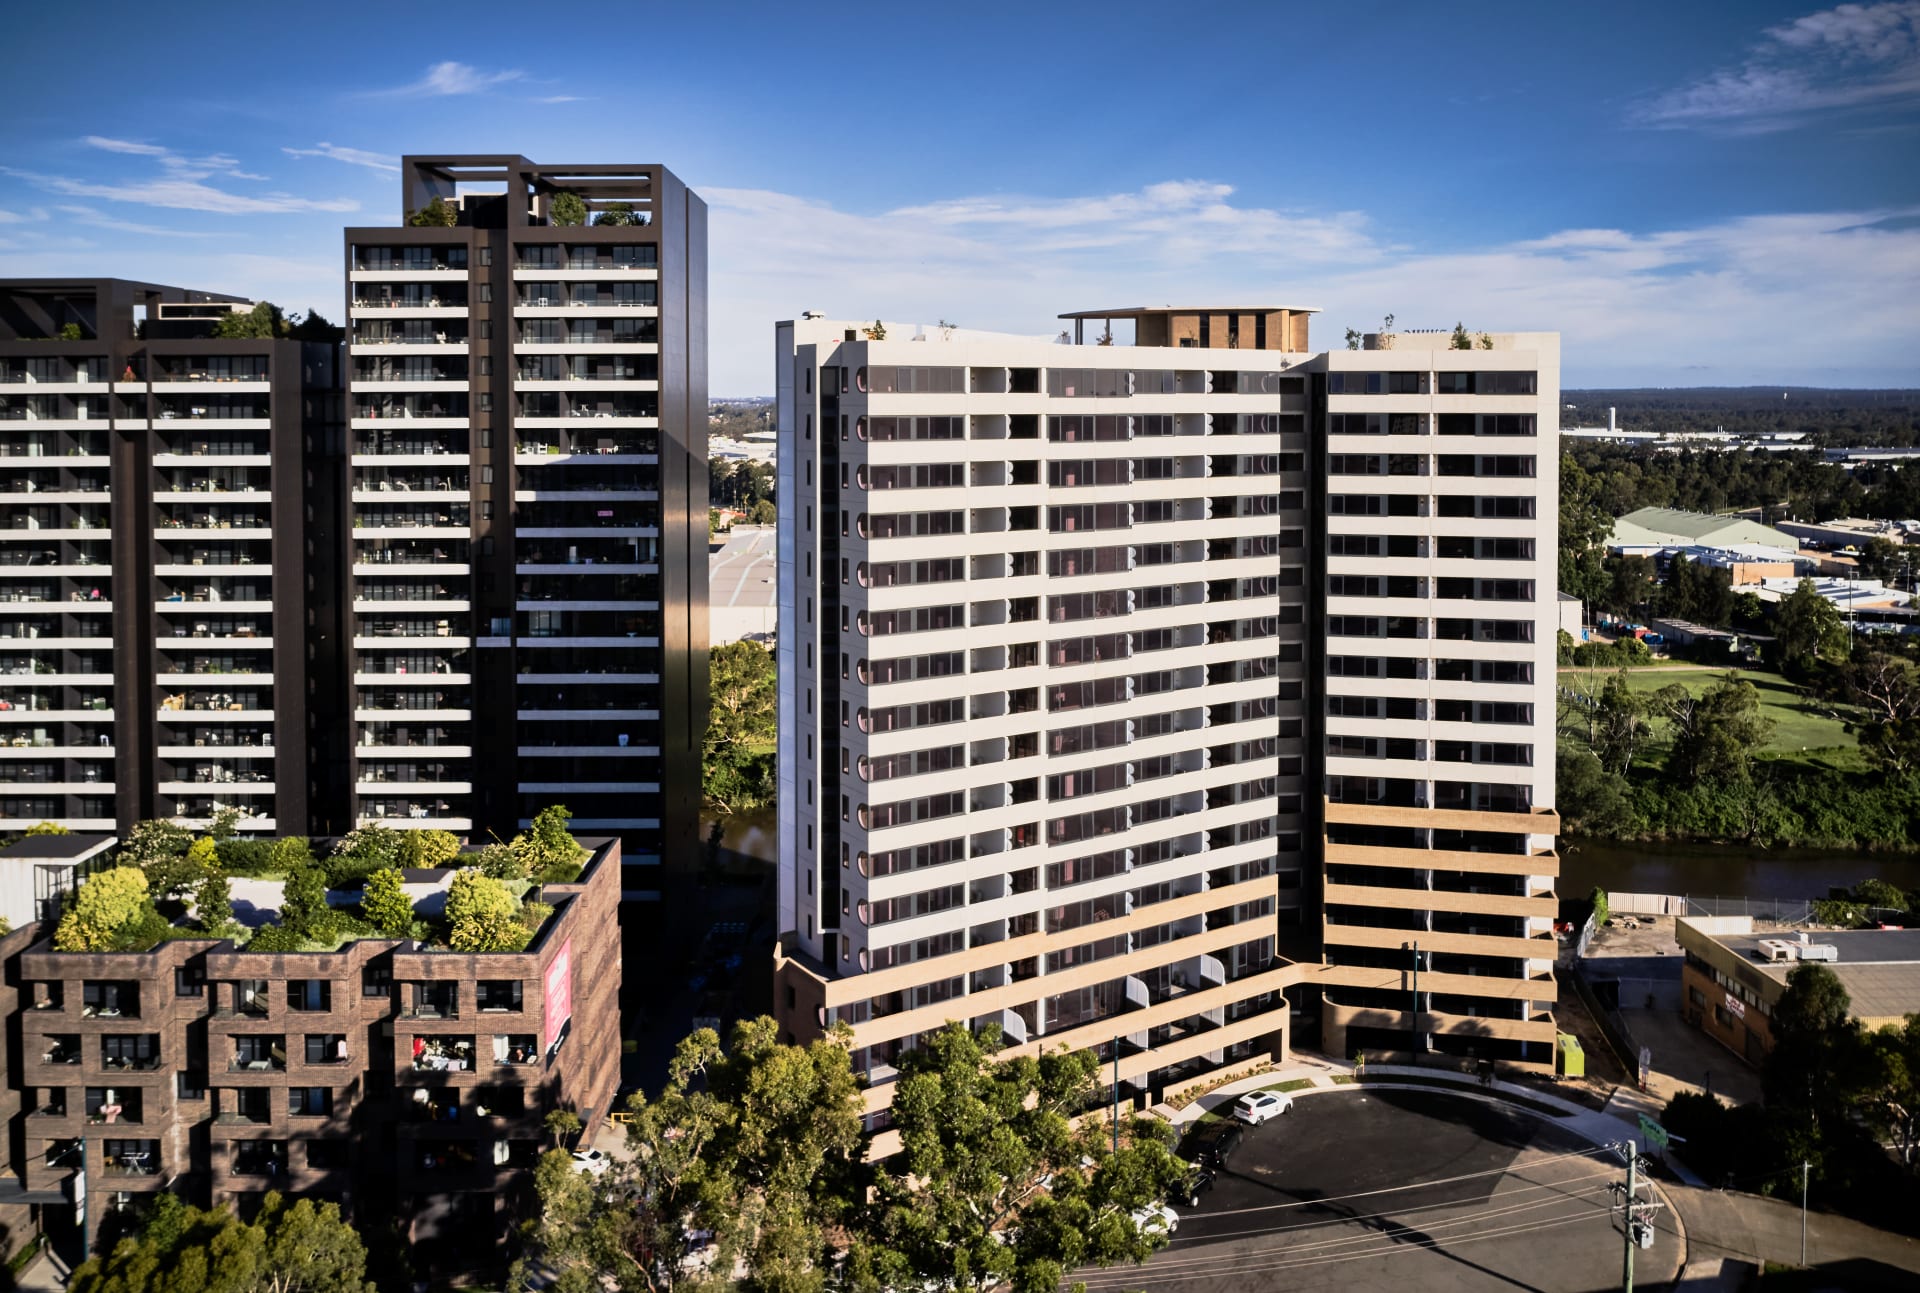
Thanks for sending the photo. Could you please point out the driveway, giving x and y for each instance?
(1686, 1059)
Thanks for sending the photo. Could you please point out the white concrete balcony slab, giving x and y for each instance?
(364, 495)
(256, 752)
(57, 679)
(387, 753)
(586, 495)
(585, 425)
(198, 606)
(23, 747)
(582, 310)
(370, 607)
(212, 460)
(588, 384)
(250, 789)
(181, 532)
(53, 385)
(211, 495)
(210, 386)
(366, 531)
(398, 425)
(591, 459)
(412, 716)
(367, 789)
(403, 385)
(56, 715)
(429, 823)
(413, 679)
(435, 642)
(586, 348)
(221, 681)
(435, 459)
(34, 459)
(77, 571)
(409, 274)
(215, 715)
(408, 312)
(53, 424)
(394, 346)
(99, 497)
(588, 274)
(452, 568)
(8, 788)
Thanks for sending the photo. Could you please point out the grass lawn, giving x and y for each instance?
(1291, 1084)
(1805, 729)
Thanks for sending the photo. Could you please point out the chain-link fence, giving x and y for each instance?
(1785, 911)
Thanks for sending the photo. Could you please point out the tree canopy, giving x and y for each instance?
(742, 727)
(289, 1248)
(482, 916)
(111, 913)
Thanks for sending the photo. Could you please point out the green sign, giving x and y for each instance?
(1654, 1132)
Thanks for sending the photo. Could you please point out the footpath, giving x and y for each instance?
(1724, 1235)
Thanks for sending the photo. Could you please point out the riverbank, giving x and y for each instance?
(1725, 870)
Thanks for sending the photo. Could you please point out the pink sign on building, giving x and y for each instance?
(559, 993)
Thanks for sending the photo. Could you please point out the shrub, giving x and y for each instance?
(380, 844)
(533, 915)
(303, 907)
(275, 938)
(109, 904)
(504, 861)
(548, 842)
(559, 873)
(437, 214)
(387, 904)
(204, 853)
(213, 903)
(290, 854)
(1600, 909)
(566, 208)
(46, 828)
(427, 849)
(245, 857)
(482, 916)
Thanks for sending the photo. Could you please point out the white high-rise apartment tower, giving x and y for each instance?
(1167, 696)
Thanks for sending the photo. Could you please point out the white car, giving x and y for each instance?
(591, 1161)
(1259, 1106)
(1156, 1218)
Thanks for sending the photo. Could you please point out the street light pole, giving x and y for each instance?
(1626, 1270)
(1413, 1039)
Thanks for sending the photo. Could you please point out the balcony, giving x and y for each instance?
(443, 1054)
(263, 1054)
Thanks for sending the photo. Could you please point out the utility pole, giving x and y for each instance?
(1413, 1031)
(1638, 1230)
(1805, 1169)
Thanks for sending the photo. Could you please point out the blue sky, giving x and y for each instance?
(1694, 194)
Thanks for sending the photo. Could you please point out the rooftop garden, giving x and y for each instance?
(167, 883)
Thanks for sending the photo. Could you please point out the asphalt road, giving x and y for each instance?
(1401, 1191)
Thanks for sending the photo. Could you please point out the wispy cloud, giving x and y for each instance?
(1850, 57)
(125, 146)
(34, 216)
(1630, 303)
(101, 220)
(454, 78)
(351, 156)
(562, 98)
(180, 185)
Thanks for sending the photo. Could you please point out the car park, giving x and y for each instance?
(1257, 1107)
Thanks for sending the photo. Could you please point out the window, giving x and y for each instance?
(377, 980)
(190, 1086)
(325, 1154)
(498, 995)
(326, 1048)
(190, 980)
(309, 1101)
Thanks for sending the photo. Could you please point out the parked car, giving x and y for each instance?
(1258, 1106)
(1156, 1218)
(1188, 1192)
(593, 1162)
(1211, 1144)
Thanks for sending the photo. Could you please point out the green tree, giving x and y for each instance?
(387, 905)
(548, 848)
(616, 214)
(437, 214)
(71, 332)
(424, 849)
(755, 1141)
(159, 848)
(204, 853)
(997, 1185)
(507, 861)
(1601, 909)
(1716, 735)
(1886, 687)
(1589, 799)
(742, 727)
(1810, 631)
(302, 1247)
(213, 902)
(1892, 1088)
(1813, 1069)
(566, 208)
(1460, 339)
(223, 824)
(289, 854)
(762, 513)
(482, 916)
(1620, 727)
(262, 321)
(46, 828)
(110, 904)
(303, 905)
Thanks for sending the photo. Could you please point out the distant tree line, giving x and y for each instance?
(1828, 418)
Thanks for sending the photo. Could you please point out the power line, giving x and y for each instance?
(1417, 1185)
(1197, 1265)
(1387, 1248)
(1373, 1216)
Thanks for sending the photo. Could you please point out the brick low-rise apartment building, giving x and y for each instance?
(403, 1082)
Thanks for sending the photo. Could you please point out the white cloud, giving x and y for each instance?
(34, 216)
(181, 191)
(562, 98)
(351, 156)
(455, 78)
(1821, 298)
(100, 220)
(124, 146)
(1852, 56)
